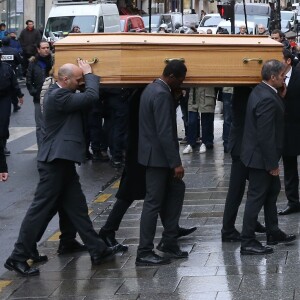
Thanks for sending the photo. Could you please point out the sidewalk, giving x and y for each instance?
(212, 271)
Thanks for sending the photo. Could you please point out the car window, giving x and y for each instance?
(210, 21)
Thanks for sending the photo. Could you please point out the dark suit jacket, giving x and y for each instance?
(264, 128)
(292, 116)
(64, 121)
(239, 105)
(158, 144)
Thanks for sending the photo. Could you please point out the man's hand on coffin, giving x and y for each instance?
(84, 66)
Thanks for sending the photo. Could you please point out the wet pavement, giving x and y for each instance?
(213, 270)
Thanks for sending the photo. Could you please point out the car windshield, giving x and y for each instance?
(253, 18)
(210, 21)
(154, 21)
(59, 26)
(287, 15)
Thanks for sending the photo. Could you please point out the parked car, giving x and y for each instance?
(129, 23)
(157, 20)
(209, 21)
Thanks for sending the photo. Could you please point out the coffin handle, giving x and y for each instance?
(246, 60)
(167, 60)
(93, 61)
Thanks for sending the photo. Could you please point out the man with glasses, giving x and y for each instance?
(261, 30)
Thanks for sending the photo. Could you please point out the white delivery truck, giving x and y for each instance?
(89, 16)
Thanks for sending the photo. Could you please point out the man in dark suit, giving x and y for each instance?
(239, 173)
(133, 180)
(62, 146)
(261, 150)
(291, 135)
(159, 152)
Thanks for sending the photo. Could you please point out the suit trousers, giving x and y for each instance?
(164, 194)
(291, 180)
(59, 185)
(263, 190)
(237, 184)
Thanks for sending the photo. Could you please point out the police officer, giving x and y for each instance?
(13, 58)
(8, 88)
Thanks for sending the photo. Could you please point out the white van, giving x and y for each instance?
(90, 17)
(252, 28)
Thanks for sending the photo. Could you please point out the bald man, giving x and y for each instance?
(62, 147)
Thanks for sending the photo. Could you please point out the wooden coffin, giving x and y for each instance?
(136, 58)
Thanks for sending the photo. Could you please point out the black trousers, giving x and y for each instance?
(237, 183)
(58, 186)
(262, 192)
(291, 180)
(164, 194)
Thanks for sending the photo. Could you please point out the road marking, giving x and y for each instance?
(4, 283)
(116, 184)
(17, 132)
(102, 198)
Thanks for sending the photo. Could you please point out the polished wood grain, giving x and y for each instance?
(135, 58)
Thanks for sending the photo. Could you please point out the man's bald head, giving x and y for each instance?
(70, 76)
(66, 70)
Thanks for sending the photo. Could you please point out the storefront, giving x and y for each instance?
(12, 14)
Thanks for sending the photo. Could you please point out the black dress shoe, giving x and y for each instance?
(173, 251)
(39, 258)
(21, 267)
(151, 259)
(256, 250)
(289, 210)
(260, 228)
(108, 252)
(185, 231)
(70, 247)
(280, 238)
(111, 241)
(233, 237)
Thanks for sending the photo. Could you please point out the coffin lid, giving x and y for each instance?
(138, 58)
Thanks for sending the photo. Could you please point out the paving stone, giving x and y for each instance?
(209, 284)
(126, 273)
(149, 285)
(244, 270)
(92, 287)
(179, 272)
(30, 288)
(265, 295)
(114, 297)
(187, 296)
(273, 282)
(235, 258)
(83, 263)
